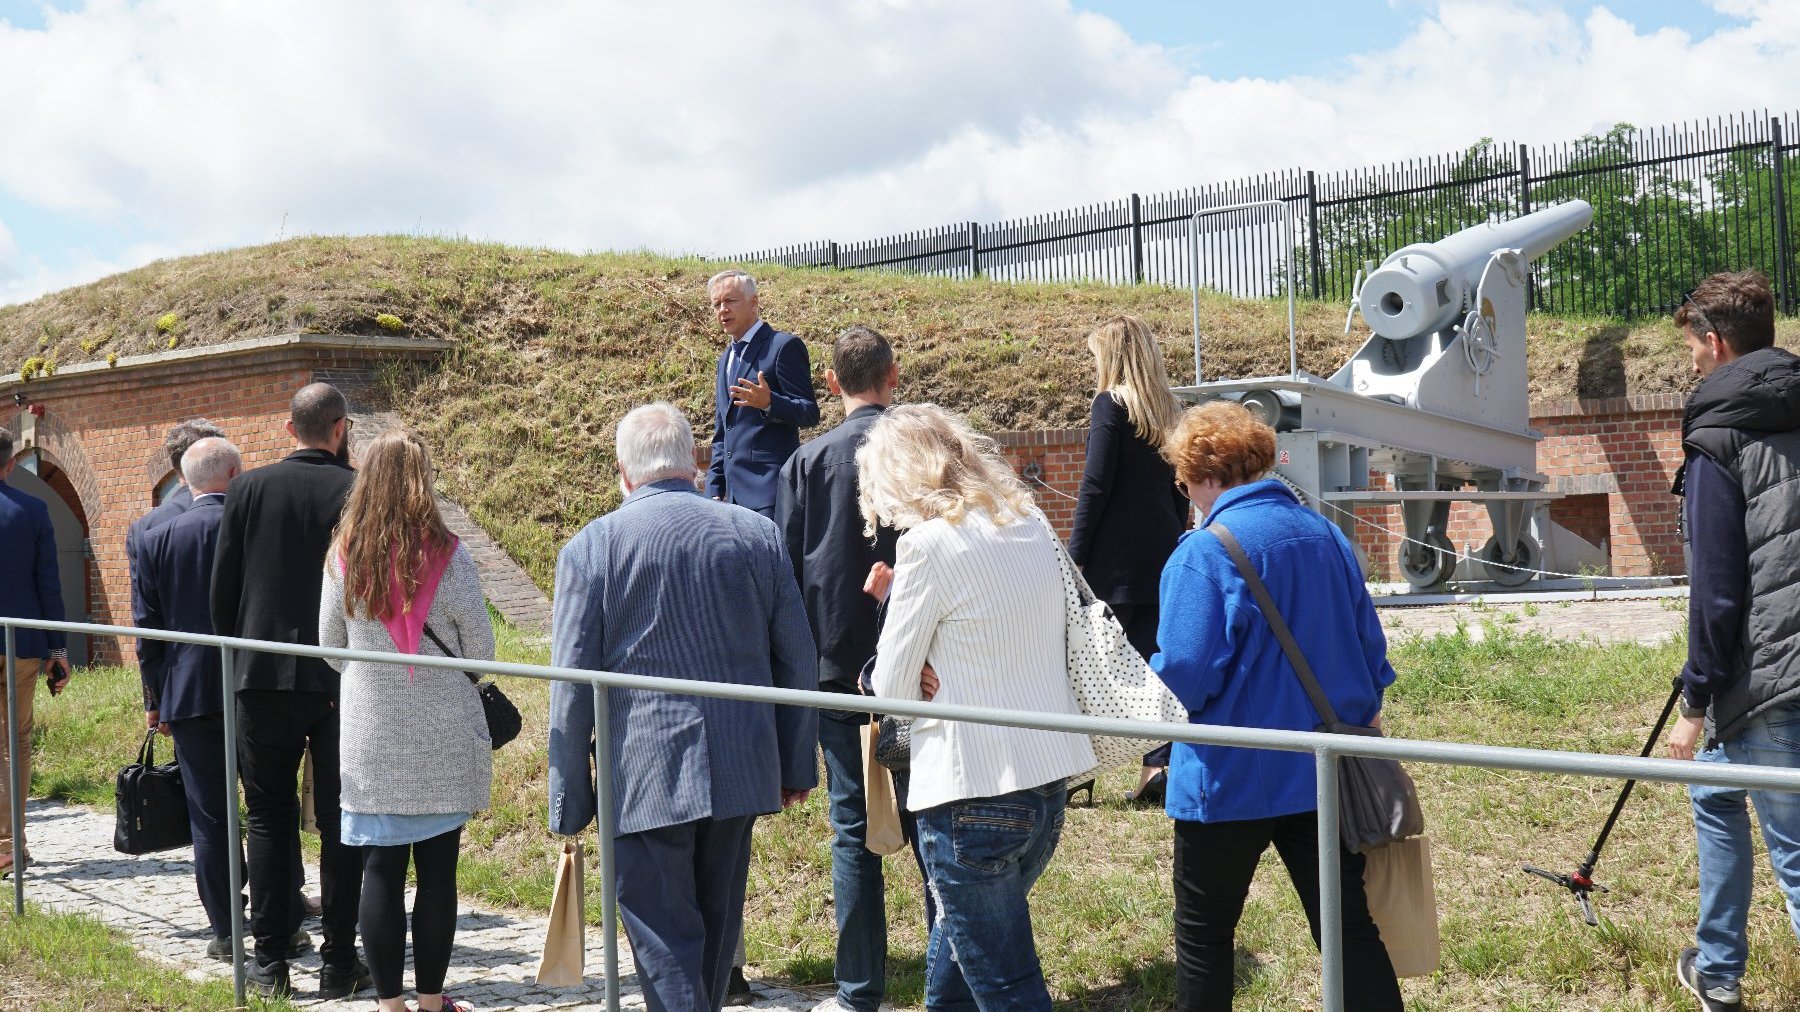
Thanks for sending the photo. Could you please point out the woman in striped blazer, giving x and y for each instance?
(974, 617)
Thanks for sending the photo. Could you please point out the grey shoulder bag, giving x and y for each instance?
(1377, 802)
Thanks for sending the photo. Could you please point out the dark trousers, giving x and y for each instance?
(681, 898)
(274, 729)
(1214, 863)
(383, 912)
(200, 748)
(1140, 622)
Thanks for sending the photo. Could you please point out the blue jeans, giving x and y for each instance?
(982, 856)
(857, 890)
(1722, 826)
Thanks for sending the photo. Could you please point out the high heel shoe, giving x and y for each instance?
(1086, 785)
(1153, 792)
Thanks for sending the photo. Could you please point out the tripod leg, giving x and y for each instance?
(1593, 858)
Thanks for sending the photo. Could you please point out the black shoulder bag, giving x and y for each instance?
(503, 721)
(150, 805)
(1377, 802)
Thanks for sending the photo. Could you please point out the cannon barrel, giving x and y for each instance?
(1427, 286)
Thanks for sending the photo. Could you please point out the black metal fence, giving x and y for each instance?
(1671, 205)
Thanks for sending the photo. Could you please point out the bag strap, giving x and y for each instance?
(1277, 624)
(147, 754)
(470, 675)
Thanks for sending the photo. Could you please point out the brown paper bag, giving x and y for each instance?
(565, 939)
(1403, 901)
(882, 833)
(309, 812)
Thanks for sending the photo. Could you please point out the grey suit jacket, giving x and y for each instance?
(676, 585)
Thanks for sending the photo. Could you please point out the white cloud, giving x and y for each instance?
(714, 126)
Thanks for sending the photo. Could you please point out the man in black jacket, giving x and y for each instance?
(816, 506)
(269, 566)
(1741, 683)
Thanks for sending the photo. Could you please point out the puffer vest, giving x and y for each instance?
(1768, 469)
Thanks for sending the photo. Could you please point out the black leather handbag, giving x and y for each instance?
(503, 720)
(151, 806)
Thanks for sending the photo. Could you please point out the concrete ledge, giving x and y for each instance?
(370, 344)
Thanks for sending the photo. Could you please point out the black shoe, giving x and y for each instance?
(267, 979)
(300, 944)
(1713, 998)
(1153, 792)
(343, 981)
(219, 949)
(737, 989)
(1086, 785)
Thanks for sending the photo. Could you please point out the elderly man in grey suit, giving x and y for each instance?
(680, 586)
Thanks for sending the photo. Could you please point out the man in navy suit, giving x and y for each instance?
(673, 585)
(173, 591)
(175, 444)
(763, 397)
(29, 588)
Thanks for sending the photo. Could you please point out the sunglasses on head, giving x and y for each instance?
(1696, 315)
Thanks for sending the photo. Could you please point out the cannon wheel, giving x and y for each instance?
(1439, 562)
(1510, 572)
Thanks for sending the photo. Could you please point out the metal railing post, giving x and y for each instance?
(1331, 899)
(606, 824)
(232, 833)
(14, 750)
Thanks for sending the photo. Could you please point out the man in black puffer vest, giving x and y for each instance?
(1740, 480)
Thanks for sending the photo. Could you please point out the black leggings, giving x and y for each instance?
(382, 917)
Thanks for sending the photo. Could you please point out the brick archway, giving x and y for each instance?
(60, 446)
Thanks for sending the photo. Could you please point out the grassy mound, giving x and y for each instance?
(552, 348)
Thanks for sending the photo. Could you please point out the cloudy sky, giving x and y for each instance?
(136, 130)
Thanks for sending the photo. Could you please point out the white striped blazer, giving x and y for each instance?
(983, 605)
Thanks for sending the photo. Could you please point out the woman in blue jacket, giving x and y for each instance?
(1221, 659)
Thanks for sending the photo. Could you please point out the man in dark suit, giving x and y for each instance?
(821, 521)
(273, 534)
(30, 587)
(173, 591)
(672, 585)
(763, 397)
(175, 444)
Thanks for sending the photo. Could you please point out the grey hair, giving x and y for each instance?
(655, 442)
(208, 464)
(743, 278)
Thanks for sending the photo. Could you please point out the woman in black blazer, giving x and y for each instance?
(1130, 513)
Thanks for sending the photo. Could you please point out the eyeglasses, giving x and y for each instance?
(349, 423)
(1697, 315)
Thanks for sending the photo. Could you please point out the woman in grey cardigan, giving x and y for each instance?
(415, 756)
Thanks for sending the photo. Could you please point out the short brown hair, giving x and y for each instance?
(1220, 440)
(862, 358)
(185, 435)
(1739, 307)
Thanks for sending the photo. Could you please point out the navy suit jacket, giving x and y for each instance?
(30, 586)
(749, 446)
(163, 512)
(175, 564)
(675, 585)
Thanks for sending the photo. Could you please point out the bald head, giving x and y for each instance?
(210, 464)
(314, 415)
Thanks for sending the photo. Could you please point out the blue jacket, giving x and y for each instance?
(749, 446)
(174, 592)
(175, 505)
(675, 585)
(30, 586)
(1221, 659)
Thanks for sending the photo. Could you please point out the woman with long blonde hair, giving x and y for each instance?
(975, 616)
(1129, 512)
(414, 750)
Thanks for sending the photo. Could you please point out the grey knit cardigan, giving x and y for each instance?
(412, 742)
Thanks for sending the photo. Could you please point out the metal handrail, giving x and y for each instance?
(1327, 748)
(1287, 234)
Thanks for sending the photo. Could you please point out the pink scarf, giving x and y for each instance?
(407, 626)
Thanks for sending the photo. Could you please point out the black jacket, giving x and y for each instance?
(816, 506)
(173, 591)
(271, 563)
(1129, 514)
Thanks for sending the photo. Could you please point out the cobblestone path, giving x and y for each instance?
(151, 899)
(1639, 620)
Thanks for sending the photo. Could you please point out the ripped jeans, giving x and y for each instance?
(982, 856)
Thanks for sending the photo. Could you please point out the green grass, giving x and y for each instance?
(1102, 911)
(68, 961)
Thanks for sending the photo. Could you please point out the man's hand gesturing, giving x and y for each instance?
(754, 395)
